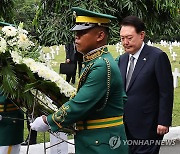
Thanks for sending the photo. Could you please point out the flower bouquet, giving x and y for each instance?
(25, 77)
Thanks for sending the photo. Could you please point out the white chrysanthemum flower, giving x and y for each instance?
(22, 31)
(22, 37)
(28, 61)
(23, 41)
(9, 30)
(55, 77)
(41, 73)
(46, 73)
(12, 42)
(16, 58)
(66, 88)
(31, 43)
(3, 45)
(34, 67)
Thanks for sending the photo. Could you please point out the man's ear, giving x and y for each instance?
(142, 34)
(100, 36)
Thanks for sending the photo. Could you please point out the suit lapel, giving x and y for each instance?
(123, 67)
(139, 65)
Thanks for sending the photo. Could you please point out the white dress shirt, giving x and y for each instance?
(136, 56)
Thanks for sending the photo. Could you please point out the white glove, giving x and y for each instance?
(39, 125)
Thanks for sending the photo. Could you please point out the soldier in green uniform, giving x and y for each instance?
(97, 108)
(11, 123)
(11, 127)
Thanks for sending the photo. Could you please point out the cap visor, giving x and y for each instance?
(81, 27)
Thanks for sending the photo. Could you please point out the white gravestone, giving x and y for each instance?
(52, 52)
(48, 59)
(42, 55)
(121, 51)
(176, 74)
(163, 43)
(174, 55)
(57, 50)
(149, 43)
(61, 148)
(170, 48)
(117, 47)
(175, 43)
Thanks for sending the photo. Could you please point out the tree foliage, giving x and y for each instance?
(6, 10)
(24, 11)
(53, 18)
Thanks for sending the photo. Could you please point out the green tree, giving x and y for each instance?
(6, 10)
(53, 18)
(24, 11)
(17, 11)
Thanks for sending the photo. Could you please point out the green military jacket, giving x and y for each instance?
(97, 108)
(11, 130)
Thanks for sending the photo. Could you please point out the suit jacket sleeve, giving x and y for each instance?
(67, 49)
(166, 89)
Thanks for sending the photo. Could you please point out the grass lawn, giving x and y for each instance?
(175, 64)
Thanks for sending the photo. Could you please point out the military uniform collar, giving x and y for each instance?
(95, 53)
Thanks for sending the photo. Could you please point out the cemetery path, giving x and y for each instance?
(171, 149)
(38, 149)
(171, 144)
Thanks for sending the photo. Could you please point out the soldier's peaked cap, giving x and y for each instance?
(86, 19)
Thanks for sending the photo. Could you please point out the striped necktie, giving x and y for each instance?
(130, 72)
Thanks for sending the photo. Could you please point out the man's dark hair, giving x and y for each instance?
(135, 22)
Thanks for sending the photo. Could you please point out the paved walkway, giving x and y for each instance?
(39, 148)
(171, 149)
(172, 141)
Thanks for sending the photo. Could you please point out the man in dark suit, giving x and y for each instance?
(73, 57)
(148, 81)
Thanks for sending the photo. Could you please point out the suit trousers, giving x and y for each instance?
(33, 136)
(143, 146)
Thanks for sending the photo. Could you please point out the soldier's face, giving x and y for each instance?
(86, 40)
(131, 40)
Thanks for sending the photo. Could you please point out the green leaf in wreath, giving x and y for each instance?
(9, 80)
(31, 86)
(23, 69)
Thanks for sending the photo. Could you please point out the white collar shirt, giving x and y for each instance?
(136, 56)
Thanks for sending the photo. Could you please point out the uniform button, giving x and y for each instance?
(97, 142)
(83, 65)
(14, 121)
